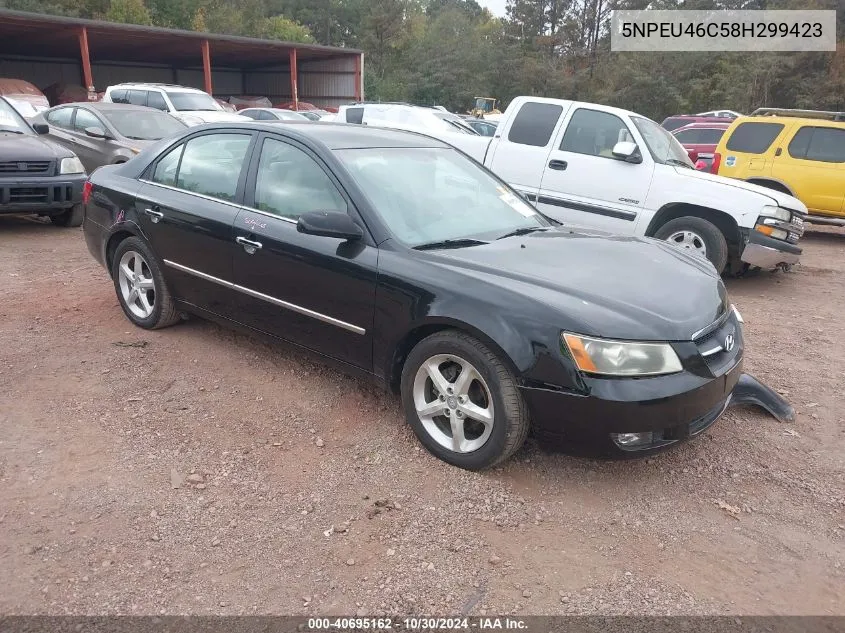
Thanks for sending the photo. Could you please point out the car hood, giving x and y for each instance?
(214, 116)
(781, 199)
(25, 147)
(611, 286)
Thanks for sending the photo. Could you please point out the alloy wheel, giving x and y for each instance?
(453, 403)
(689, 241)
(137, 286)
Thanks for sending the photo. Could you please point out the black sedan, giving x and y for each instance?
(108, 133)
(400, 259)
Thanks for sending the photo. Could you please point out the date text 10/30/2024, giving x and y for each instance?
(416, 624)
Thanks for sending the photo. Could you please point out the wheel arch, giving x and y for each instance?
(772, 183)
(423, 330)
(724, 222)
(114, 241)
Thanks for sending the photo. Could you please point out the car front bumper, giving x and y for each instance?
(664, 410)
(40, 194)
(768, 253)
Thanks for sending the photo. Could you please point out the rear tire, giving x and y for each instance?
(699, 236)
(140, 286)
(473, 423)
(69, 217)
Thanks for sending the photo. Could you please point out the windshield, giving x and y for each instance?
(192, 101)
(11, 120)
(664, 147)
(427, 195)
(144, 126)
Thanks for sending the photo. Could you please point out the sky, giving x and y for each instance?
(496, 7)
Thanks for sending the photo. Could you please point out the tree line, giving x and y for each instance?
(446, 52)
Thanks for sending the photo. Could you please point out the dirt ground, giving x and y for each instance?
(198, 471)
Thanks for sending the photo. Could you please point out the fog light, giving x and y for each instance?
(632, 440)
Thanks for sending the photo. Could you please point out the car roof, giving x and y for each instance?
(785, 120)
(340, 135)
(169, 87)
(106, 106)
(723, 125)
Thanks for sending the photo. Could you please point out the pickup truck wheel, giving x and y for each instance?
(69, 217)
(462, 401)
(698, 235)
(140, 286)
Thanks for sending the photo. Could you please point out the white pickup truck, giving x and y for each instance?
(592, 165)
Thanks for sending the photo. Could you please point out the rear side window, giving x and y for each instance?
(155, 100)
(826, 145)
(754, 138)
(138, 97)
(688, 136)
(60, 117)
(355, 115)
(119, 96)
(211, 164)
(710, 136)
(534, 124)
(165, 171)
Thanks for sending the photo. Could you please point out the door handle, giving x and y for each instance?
(249, 246)
(155, 216)
(559, 165)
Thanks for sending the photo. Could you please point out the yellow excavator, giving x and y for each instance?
(484, 105)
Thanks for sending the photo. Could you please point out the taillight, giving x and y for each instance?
(717, 160)
(87, 188)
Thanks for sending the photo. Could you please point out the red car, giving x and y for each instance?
(672, 123)
(700, 141)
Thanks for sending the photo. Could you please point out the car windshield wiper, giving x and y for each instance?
(679, 163)
(10, 131)
(459, 243)
(523, 231)
(139, 138)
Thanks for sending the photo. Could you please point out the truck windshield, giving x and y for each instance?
(11, 121)
(433, 195)
(664, 148)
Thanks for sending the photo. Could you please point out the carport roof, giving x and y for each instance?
(33, 35)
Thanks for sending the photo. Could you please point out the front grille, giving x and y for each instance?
(28, 194)
(712, 345)
(25, 167)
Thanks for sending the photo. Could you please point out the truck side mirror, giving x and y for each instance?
(627, 151)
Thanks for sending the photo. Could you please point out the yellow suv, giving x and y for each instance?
(800, 152)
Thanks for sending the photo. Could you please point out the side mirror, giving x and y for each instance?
(41, 128)
(693, 154)
(627, 151)
(329, 224)
(96, 132)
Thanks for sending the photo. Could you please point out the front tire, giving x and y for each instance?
(140, 286)
(462, 401)
(69, 217)
(698, 236)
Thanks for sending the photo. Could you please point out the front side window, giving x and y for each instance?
(211, 164)
(753, 137)
(137, 97)
(822, 144)
(594, 133)
(289, 183)
(427, 195)
(711, 136)
(673, 123)
(689, 137)
(663, 147)
(85, 119)
(534, 124)
(155, 100)
(60, 117)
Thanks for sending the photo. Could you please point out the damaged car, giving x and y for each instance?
(398, 258)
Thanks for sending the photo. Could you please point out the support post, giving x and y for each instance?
(359, 63)
(206, 66)
(87, 77)
(294, 90)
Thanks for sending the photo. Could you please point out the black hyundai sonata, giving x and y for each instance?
(399, 258)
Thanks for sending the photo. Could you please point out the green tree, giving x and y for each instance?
(129, 11)
(279, 27)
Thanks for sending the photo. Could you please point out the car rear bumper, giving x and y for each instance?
(664, 409)
(34, 195)
(767, 253)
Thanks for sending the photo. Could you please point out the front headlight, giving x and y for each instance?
(71, 165)
(776, 212)
(621, 358)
